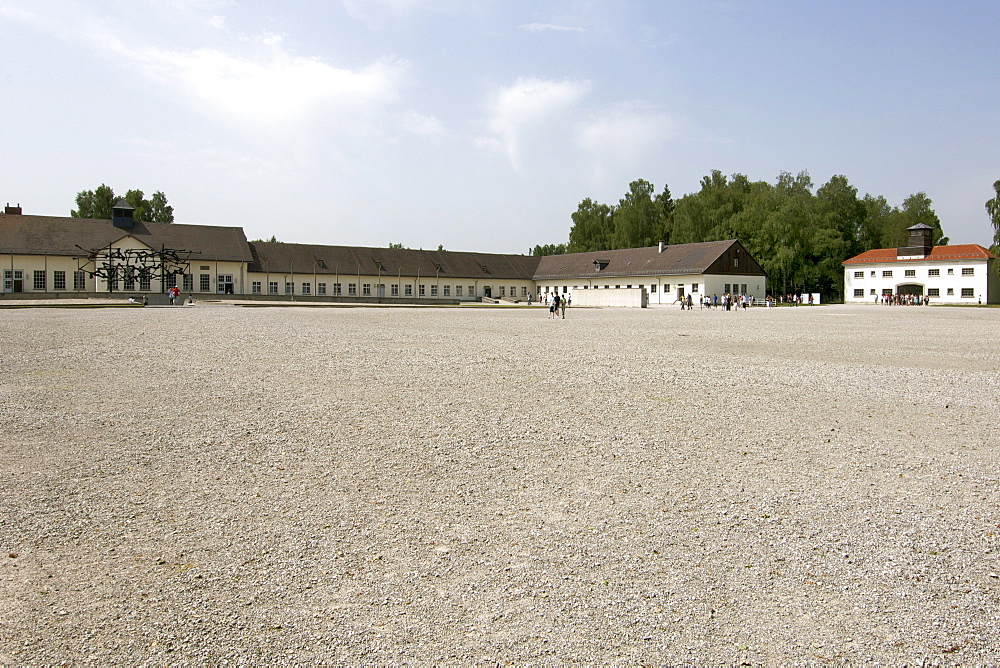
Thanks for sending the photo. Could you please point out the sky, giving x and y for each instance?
(480, 125)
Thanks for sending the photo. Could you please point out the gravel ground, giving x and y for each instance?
(219, 485)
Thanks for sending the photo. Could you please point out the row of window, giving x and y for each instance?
(13, 280)
(912, 273)
(931, 292)
(368, 289)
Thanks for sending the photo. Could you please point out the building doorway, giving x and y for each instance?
(910, 289)
(13, 280)
(225, 284)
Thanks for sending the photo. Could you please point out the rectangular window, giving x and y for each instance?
(725, 288)
(352, 289)
(951, 292)
(307, 288)
(736, 262)
(205, 282)
(366, 289)
(58, 280)
(39, 280)
(336, 289)
(513, 291)
(910, 273)
(503, 291)
(145, 284)
(408, 290)
(744, 290)
(933, 272)
(289, 288)
(951, 272)
(873, 292)
(968, 292)
(873, 274)
(255, 287)
(188, 283)
(694, 287)
(472, 291)
(321, 288)
(652, 287)
(79, 280)
(394, 289)
(887, 273)
(859, 274)
(272, 287)
(458, 290)
(524, 290)
(447, 290)
(859, 292)
(434, 290)
(421, 290)
(968, 271)
(933, 292)
(886, 292)
(130, 283)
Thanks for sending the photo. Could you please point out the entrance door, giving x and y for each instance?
(910, 289)
(680, 292)
(488, 291)
(13, 281)
(225, 284)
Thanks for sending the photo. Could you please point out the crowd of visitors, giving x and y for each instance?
(902, 300)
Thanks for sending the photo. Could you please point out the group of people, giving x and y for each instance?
(902, 300)
(727, 302)
(557, 304)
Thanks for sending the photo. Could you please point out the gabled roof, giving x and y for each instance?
(938, 253)
(278, 257)
(55, 235)
(698, 258)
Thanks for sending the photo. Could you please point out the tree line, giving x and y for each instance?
(799, 236)
(98, 203)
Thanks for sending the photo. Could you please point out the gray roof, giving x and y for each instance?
(710, 257)
(278, 257)
(55, 235)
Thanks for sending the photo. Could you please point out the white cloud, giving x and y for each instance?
(622, 136)
(530, 109)
(542, 27)
(377, 12)
(420, 125)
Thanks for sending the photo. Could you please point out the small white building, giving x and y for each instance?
(960, 274)
(661, 274)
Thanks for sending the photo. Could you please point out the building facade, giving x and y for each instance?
(58, 256)
(960, 274)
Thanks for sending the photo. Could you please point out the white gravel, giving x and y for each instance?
(220, 485)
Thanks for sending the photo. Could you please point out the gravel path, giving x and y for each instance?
(454, 486)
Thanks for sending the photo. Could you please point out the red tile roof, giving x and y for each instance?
(940, 253)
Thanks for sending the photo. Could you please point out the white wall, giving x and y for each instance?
(983, 282)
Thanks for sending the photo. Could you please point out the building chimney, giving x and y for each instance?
(12, 210)
(661, 246)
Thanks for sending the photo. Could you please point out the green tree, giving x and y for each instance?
(636, 220)
(665, 208)
(592, 227)
(98, 204)
(94, 203)
(548, 249)
(160, 211)
(993, 209)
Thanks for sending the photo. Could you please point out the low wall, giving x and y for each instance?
(619, 297)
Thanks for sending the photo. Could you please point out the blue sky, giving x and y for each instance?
(481, 124)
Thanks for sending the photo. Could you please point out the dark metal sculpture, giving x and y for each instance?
(128, 265)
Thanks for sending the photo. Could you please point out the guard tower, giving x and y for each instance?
(919, 244)
(122, 215)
